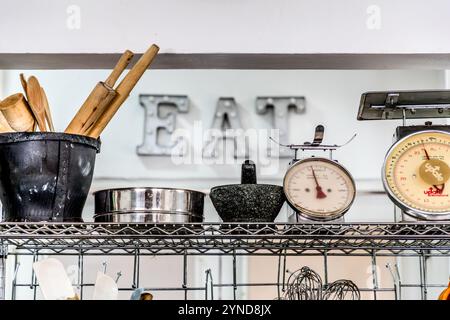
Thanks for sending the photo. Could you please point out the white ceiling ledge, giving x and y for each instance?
(244, 34)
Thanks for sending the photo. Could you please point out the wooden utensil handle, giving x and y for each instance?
(98, 99)
(123, 90)
(119, 68)
(97, 112)
(98, 94)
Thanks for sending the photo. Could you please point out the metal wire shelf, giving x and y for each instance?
(228, 239)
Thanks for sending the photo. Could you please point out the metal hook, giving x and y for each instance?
(105, 265)
(391, 271)
(15, 272)
(395, 273)
(209, 280)
(119, 274)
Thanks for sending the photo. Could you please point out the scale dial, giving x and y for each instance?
(319, 188)
(416, 173)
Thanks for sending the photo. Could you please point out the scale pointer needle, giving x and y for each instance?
(320, 194)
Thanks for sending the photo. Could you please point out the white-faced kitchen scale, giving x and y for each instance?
(416, 168)
(318, 188)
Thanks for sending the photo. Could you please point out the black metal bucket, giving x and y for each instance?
(45, 176)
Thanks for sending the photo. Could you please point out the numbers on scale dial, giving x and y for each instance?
(319, 188)
(416, 171)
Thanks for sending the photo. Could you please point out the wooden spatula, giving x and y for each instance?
(36, 102)
(48, 115)
(23, 81)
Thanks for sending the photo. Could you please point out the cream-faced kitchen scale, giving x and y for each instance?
(416, 169)
(318, 188)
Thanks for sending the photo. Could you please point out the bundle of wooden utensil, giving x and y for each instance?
(104, 101)
(21, 113)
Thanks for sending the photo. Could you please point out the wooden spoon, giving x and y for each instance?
(34, 94)
(23, 81)
(48, 115)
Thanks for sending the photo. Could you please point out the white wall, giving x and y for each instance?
(215, 26)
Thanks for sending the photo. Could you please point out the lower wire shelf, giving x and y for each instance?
(417, 242)
(228, 238)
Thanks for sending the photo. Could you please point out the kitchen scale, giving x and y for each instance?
(318, 188)
(416, 167)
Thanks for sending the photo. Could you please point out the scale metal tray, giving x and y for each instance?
(391, 105)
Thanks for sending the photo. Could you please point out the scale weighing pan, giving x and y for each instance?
(391, 105)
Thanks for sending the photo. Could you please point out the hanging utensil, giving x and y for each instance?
(17, 114)
(304, 284)
(105, 288)
(53, 280)
(35, 101)
(98, 100)
(123, 90)
(146, 296)
(342, 290)
(141, 294)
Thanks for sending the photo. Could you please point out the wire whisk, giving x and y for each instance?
(342, 290)
(304, 284)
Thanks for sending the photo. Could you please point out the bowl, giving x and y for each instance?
(248, 201)
(148, 205)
